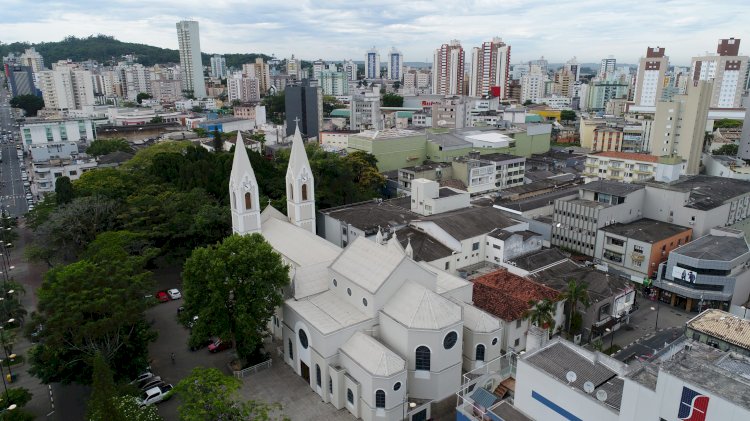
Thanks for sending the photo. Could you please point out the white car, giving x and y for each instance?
(174, 294)
(143, 376)
(155, 395)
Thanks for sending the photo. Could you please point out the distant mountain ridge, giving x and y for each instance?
(108, 50)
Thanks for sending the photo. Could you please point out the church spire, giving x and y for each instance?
(243, 192)
(300, 186)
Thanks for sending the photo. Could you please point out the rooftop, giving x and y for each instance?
(643, 157)
(611, 187)
(425, 247)
(426, 166)
(715, 247)
(388, 134)
(507, 295)
(470, 222)
(707, 192)
(538, 201)
(724, 326)
(327, 312)
(368, 216)
(367, 263)
(539, 259)
(601, 286)
(373, 356)
(499, 157)
(416, 307)
(646, 230)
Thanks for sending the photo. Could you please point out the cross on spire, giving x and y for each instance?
(296, 120)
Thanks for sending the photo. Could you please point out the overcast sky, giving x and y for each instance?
(337, 29)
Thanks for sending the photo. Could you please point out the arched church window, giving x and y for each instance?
(291, 192)
(234, 200)
(304, 192)
(248, 201)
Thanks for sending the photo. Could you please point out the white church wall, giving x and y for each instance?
(407, 270)
(352, 293)
(491, 352)
(338, 394)
(351, 384)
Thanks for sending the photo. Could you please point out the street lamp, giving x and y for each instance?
(10, 357)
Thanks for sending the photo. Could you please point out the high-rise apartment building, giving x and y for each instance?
(679, 125)
(573, 68)
(727, 69)
(490, 68)
(333, 83)
(395, 65)
(243, 88)
(218, 66)
(649, 83)
(134, 78)
(191, 64)
(318, 66)
(33, 59)
(532, 84)
(350, 68)
(607, 67)
(293, 67)
(372, 64)
(448, 69)
(261, 71)
(66, 88)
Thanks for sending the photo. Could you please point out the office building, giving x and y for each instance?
(395, 65)
(66, 88)
(448, 69)
(372, 64)
(490, 69)
(649, 84)
(191, 64)
(302, 105)
(20, 80)
(218, 66)
(728, 71)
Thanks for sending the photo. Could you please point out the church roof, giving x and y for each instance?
(416, 307)
(376, 358)
(445, 281)
(367, 264)
(271, 212)
(479, 320)
(327, 312)
(298, 156)
(300, 246)
(240, 163)
(311, 279)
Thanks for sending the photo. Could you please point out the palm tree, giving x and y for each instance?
(542, 314)
(576, 293)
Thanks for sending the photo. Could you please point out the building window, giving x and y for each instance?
(518, 324)
(379, 399)
(447, 265)
(364, 302)
(291, 192)
(422, 358)
(494, 341)
(450, 340)
(479, 355)
(318, 377)
(397, 386)
(335, 283)
(248, 201)
(350, 396)
(304, 192)
(475, 246)
(291, 350)
(303, 338)
(349, 291)
(330, 385)
(517, 342)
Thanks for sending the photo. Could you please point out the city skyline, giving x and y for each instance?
(330, 30)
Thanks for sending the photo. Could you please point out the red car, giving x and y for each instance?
(218, 345)
(162, 296)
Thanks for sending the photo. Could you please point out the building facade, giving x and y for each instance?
(395, 65)
(191, 62)
(490, 68)
(649, 83)
(728, 71)
(448, 69)
(372, 64)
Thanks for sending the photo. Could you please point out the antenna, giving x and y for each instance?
(588, 387)
(601, 395)
(571, 376)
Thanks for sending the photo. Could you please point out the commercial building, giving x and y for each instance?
(191, 64)
(48, 133)
(728, 71)
(490, 69)
(20, 80)
(649, 83)
(395, 65)
(303, 104)
(372, 64)
(721, 330)
(219, 66)
(448, 69)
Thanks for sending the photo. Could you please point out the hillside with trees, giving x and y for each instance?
(107, 50)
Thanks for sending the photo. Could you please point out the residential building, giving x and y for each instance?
(259, 70)
(607, 67)
(601, 92)
(364, 109)
(449, 112)
(448, 69)
(428, 198)
(490, 69)
(709, 272)
(31, 58)
(476, 174)
(744, 143)
(509, 169)
(649, 83)
(395, 65)
(242, 88)
(350, 69)
(166, 90)
(134, 79)
(303, 104)
(436, 171)
(293, 68)
(219, 66)
(66, 88)
(726, 166)
(45, 174)
(638, 248)
(721, 330)
(728, 71)
(191, 64)
(372, 64)
(532, 84)
(631, 167)
(333, 83)
(251, 111)
(679, 126)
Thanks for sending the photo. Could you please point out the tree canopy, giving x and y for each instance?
(567, 115)
(729, 149)
(31, 104)
(275, 107)
(727, 123)
(234, 287)
(105, 146)
(392, 100)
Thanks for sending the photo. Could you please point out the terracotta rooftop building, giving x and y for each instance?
(507, 295)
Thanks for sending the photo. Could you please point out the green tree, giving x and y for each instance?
(575, 293)
(567, 115)
(141, 96)
(396, 85)
(127, 408)
(729, 149)
(528, 102)
(63, 190)
(208, 394)
(234, 287)
(330, 103)
(218, 141)
(157, 120)
(727, 123)
(31, 104)
(197, 109)
(392, 100)
(275, 107)
(105, 146)
(101, 405)
(542, 314)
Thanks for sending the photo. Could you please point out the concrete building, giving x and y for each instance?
(638, 248)
(32, 58)
(395, 65)
(250, 111)
(333, 83)
(20, 80)
(490, 68)
(49, 133)
(709, 272)
(191, 62)
(607, 67)
(631, 167)
(448, 69)
(364, 110)
(679, 126)
(66, 88)
(601, 92)
(166, 90)
(303, 104)
(242, 88)
(533, 84)
(45, 174)
(744, 148)
(350, 69)
(293, 68)
(728, 71)
(372, 64)
(219, 66)
(726, 166)
(721, 330)
(134, 79)
(649, 83)
(428, 198)
(261, 71)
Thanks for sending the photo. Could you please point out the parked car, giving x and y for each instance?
(162, 296)
(143, 376)
(202, 344)
(155, 395)
(174, 294)
(148, 382)
(218, 345)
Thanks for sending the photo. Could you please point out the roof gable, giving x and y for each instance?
(372, 355)
(417, 307)
(367, 264)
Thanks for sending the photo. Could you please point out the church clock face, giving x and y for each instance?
(246, 185)
(304, 177)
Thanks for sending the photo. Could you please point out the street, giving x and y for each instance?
(12, 194)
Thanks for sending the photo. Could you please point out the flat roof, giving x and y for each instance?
(539, 259)
(646, 230)
(626, 155)
(470, 222)
(388, 134)
(426, 166)
(538, 201)
(601, 286)
(715, 247)
(368, 216)
(499, 157)
(707, 192)
(611, 187)
(722, 325)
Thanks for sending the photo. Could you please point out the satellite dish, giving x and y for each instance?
(588, 387)
(571, 376)
(601, 395)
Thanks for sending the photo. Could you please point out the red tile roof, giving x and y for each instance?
(644, 157)
(507, 295)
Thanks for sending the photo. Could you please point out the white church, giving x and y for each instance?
(369, 329)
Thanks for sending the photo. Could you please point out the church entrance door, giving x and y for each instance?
(305, 370)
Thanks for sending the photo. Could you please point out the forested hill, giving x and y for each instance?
(107, 50)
